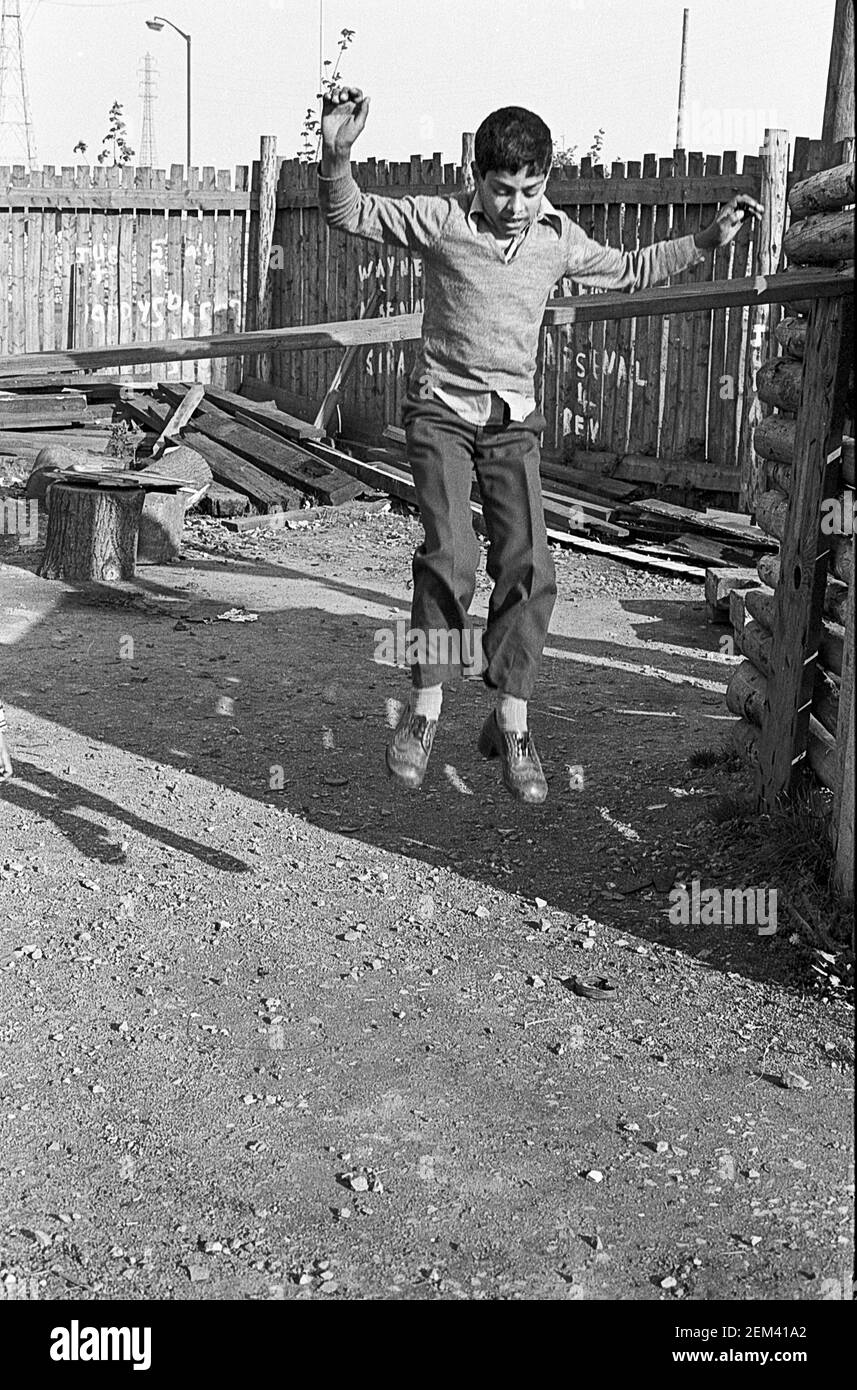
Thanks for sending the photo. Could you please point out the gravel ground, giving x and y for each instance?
(275, 1030)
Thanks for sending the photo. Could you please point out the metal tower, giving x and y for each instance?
(149, 93)
(17, 141)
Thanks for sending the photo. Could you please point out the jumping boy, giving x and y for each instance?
(490, 260)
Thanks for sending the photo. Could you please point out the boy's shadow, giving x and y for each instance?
(34, 789)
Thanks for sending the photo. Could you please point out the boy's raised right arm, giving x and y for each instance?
(414, 223)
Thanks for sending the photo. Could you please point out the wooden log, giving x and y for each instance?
(747, 693)
(755, 643)
(775, 439)
(827, 191)
(778, 383)
(161, 528)
(767, 250)
(843, 795)
(790, 333)
(805, 551)
(841, 559)
(719, 583)
(836, 601)
(737, 612)
(831, 647)
(760, 605)
(821, 757)
(264, 227)
(745, 739)
(825, 239)
(92, 534)
(772, 512)
(825, 705)
(779, 476)
(768, 570)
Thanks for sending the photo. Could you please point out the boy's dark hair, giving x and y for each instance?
(512, 139)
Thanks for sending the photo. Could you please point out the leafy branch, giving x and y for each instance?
(115, 147)
(311, 129)
(564, 156)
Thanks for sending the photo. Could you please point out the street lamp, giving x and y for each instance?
(157, 24)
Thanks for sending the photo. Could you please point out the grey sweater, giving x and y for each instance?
(483, 311)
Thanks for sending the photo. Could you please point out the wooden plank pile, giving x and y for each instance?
(794, 688)
(36, 413)
(260, 460)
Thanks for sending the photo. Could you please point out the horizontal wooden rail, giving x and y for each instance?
(699, 295)
(565, 192)
(125, 199)
(594, 308)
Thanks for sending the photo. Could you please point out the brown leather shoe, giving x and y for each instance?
(522, 771)
(409, 748)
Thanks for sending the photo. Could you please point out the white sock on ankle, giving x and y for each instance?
(427, 701)
(511, 714)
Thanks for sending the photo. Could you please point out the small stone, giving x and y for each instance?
(669, 1282)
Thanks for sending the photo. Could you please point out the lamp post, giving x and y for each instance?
(158, 23)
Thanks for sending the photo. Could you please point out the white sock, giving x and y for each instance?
(426, 701)
(511, 714)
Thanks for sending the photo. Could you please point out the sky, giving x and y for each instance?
(433, 68)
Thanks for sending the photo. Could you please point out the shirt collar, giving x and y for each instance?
(546, 213)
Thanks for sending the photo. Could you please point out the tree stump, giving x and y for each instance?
(92, 533)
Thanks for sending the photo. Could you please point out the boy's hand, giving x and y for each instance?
(343, 116)
(728, 222)
(5, 760)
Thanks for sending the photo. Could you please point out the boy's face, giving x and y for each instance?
(511, 201)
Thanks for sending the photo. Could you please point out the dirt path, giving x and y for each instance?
(236, 966)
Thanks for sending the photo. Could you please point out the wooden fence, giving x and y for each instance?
(645, 386)
(92, 257)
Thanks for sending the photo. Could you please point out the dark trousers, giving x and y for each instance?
(443, 452)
